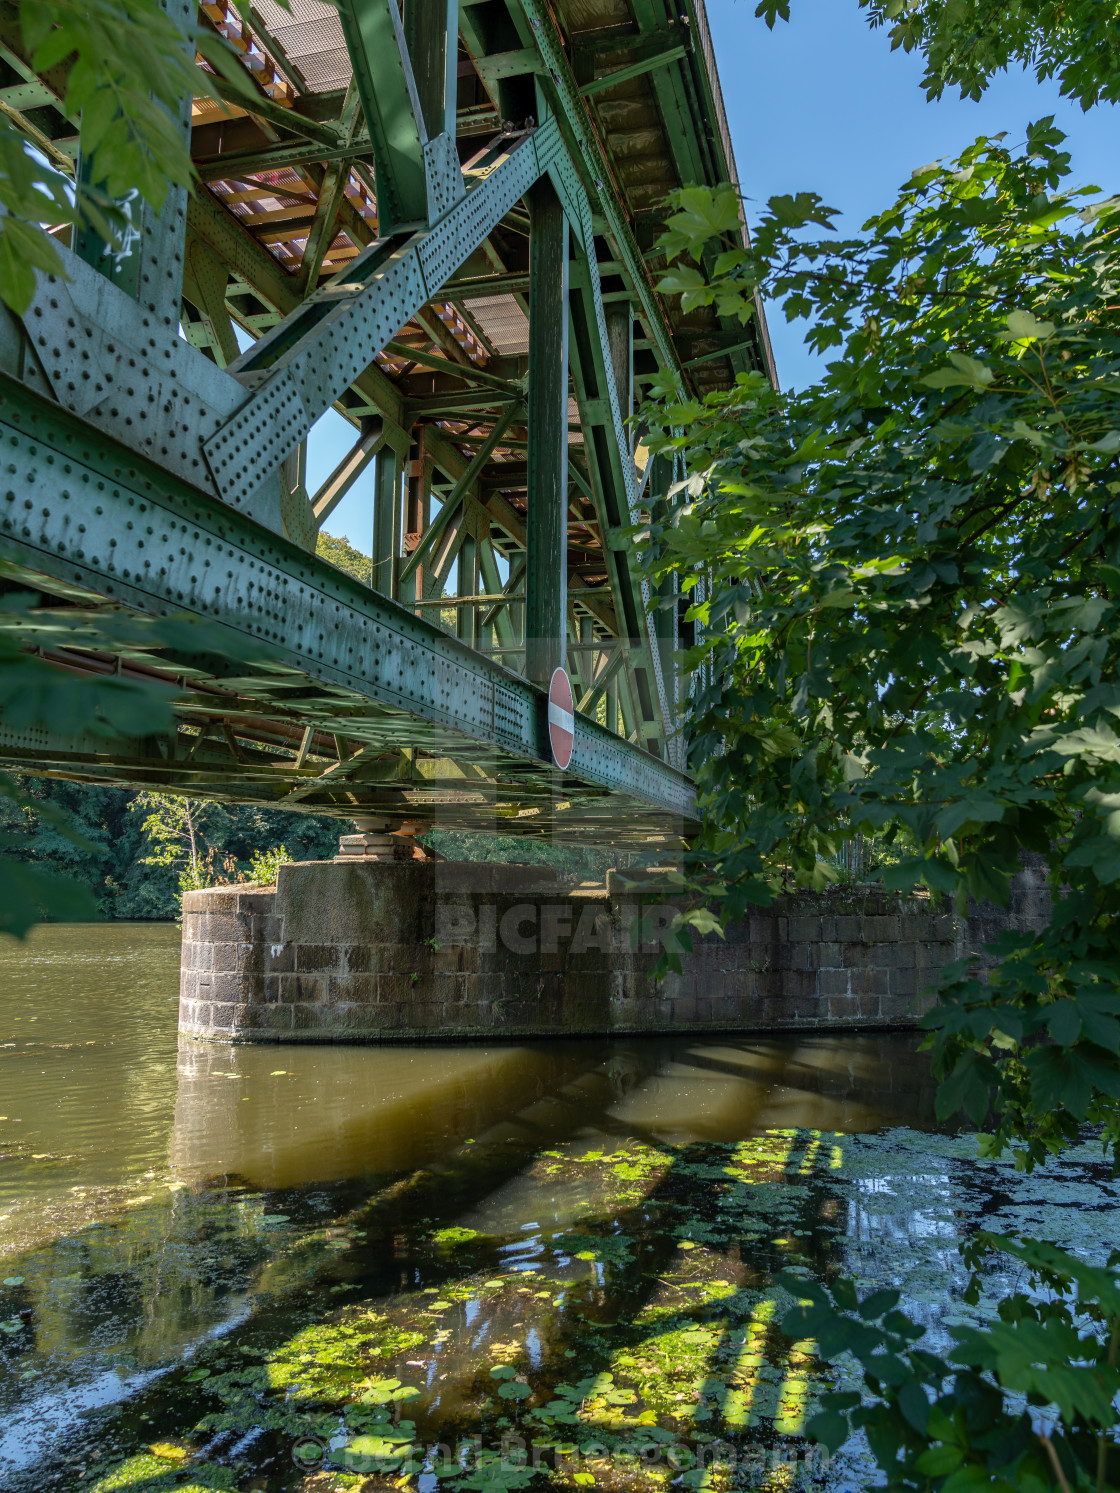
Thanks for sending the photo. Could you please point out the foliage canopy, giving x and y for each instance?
(966, 42)
(124, 68)
(907, 586)
(905, 583)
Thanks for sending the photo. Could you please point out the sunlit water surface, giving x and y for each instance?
(260, 1267)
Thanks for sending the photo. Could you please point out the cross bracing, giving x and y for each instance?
(438, 220)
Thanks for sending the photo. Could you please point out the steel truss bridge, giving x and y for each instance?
(437, 220)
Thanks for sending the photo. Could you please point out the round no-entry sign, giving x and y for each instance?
(561, 718)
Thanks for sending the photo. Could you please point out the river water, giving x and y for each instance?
(279, 1267)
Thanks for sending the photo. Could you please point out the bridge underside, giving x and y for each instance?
(437, 221)
(305, 690)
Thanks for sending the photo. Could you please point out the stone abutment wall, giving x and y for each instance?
(421, 951)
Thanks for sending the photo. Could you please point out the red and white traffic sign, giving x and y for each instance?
(561, 718)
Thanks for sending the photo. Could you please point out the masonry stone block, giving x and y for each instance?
(268, 1018)
(870, 981)
(903, 982)
(796, 984)
(843, 1008)
(804, 929)
(302, 988)
(218, 927)
(826, 955)
(280, 958)
(318, 958)
(342, 989)
(878, 928)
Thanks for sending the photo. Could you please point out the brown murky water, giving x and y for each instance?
(97, 1091)
(256, 1267)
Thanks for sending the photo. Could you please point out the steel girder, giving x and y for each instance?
(84, 518)
(303, 365)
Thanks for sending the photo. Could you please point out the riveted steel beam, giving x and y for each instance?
(584, 145)
(83, 515)
(235, 164)
(547, 525)
(633, 70)
(292, 120)
(608, 448)
(347, 472)
(302, 366)
(463, 486)
(386, 547)
(384, 79)
(221, 231)
(431, 29)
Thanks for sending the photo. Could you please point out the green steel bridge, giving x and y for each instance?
(437, 220)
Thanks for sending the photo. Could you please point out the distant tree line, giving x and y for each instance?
(135, 865)
(118, 863)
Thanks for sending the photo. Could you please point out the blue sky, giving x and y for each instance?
(823, 104)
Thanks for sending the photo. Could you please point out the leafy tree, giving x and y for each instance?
(266, 864)
(905, 583)
(966, 42)
(129, 67)
(342, 554)
(175, 828)
(97, 841)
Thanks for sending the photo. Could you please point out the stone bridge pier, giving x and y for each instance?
(413, 951)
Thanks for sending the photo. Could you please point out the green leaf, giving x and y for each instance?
(1064, 1021)
(681, 278)
(513, 1389)
(1025, 327)
(829, 1428)
(939, 1461)
(966, 372)
(877, 1304)
(914, 1404)
(801, 208)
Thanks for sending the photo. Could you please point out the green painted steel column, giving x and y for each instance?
(466, 618)
(386, 521)
(431, 30)
(546, 529)
(620, 340)
(416, 519)
(386, 86)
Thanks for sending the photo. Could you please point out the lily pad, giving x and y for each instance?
(513, 1389)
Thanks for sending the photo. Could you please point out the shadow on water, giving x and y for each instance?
(221, 1205)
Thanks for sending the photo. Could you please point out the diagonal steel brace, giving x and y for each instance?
(299, 368)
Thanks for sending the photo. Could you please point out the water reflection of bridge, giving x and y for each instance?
(332, 1113)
